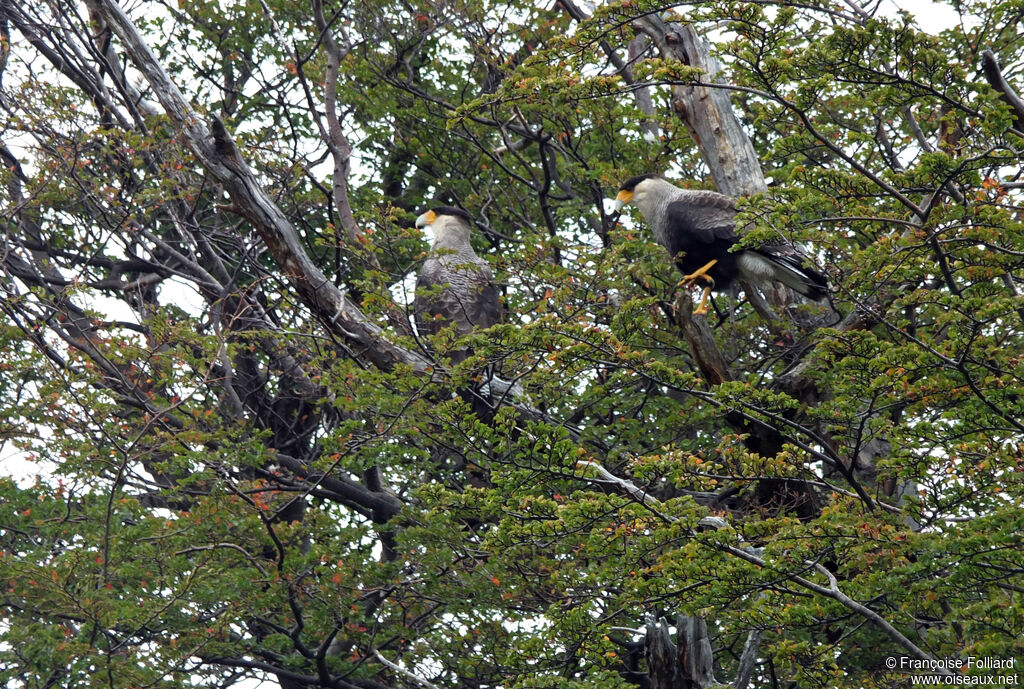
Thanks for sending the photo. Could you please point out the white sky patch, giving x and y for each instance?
(15, 464)
(185, 296)
(931, 17)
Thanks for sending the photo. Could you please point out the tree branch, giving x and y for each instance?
(402, 671)
(994, 76)
(216, 151)
(707, 112)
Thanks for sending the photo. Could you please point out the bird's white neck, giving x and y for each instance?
(450, 235)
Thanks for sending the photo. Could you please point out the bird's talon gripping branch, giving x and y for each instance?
(698, 229)
(704, 307)
(700, 274)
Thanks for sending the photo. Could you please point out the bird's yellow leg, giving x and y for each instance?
(704, 307)
(700, 274)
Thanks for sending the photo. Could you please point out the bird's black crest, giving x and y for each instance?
(631, 183)
(452, 210)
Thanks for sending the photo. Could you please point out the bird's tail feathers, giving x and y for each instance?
(791, 271)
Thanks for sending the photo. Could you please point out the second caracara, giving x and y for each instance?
(454, 286)
(698, 228)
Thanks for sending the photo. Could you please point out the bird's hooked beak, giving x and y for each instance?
(426, 220)
(622, 198)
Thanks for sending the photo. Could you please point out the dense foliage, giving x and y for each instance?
(234, 481)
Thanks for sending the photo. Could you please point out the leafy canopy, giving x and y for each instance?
(228, 485)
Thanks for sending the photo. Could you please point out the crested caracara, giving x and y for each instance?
(698, 228)
(454, 286)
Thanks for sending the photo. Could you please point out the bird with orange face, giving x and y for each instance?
(698, 229)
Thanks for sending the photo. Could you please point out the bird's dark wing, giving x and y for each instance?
(794, 268)
(463, 294)
(488, 309)
(426, 307)
(705, 217)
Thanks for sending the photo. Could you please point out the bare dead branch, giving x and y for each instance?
(707, 112)
(994, 75)
(333, 308)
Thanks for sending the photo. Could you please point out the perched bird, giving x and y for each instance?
(699, 227)
(454, 286)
